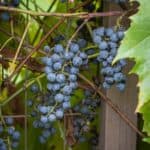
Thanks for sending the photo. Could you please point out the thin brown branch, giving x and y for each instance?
(57, 14)
(113, 106)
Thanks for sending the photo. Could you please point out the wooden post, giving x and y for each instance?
(115, 133)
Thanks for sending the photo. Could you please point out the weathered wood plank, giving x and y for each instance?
(115, 133)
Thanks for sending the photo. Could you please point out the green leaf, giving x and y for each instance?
(136, 45)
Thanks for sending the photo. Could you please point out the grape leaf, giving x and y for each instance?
(136, 45)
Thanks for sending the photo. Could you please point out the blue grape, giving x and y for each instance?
(44, 119)
(5, 16)
(59, 114)
(51, 117)
(104, 54)
(67, 90)
(120, 86)
(58, 48)
(74, 47)
(16, 135)
(9, 121)
(15, 2)
(66, 105)
(1, 129)
(57, 66)
(51, 77)
(59, 97)
(114, 37)
(77, 61)
(72, 77)
(10, 130)
(97, 39)
(106, 85)
(42, 139)
(34, 88)
(68, 55)
(82, 43)
(47, 49)
(103, 45)
(14, 144)
(55, 57)
(43, 109)
(29, 103)
(118, 77)
(109, 32)
(74, 70)
(60, 78)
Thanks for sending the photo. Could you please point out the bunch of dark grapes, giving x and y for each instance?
(108, 41)
(5, 16)
(61, 69)
(9, 136)
(39, 106)
(87, 111)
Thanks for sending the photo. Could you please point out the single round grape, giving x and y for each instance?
(51, 77)
(43, 109)
(57, 66)
(109, 31)
(59, 114)
(34, 88)
(68, 55)
(82, 43)
(9, 120)
(14, 144)
(97, 39)
(46, 133)
(55, 58)
(16, 135)
(42, 139)
(118, 77)
(103, 45)
(77, 61)
(59, 97)
(120, 86)
(67, 90)
(72, 77)
(60, 78)
(106, 85)
(51, 117)
(66, 105)
(10, 130)
(74, 70)
(74, 47)
(47, 49)
(58, 48)
(44, 119)
(5, 16)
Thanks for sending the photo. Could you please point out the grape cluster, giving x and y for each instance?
(61, 69)
(108, 41)
(5, 16)
(9, 136)
(39, 108)
(82, 122)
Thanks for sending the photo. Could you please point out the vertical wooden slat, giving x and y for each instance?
(115, 133)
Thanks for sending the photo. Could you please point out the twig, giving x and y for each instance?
(75, 33)
(82, 15)
(34, 50)
(113, 106)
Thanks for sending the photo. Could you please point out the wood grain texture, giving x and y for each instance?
(115, 133)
